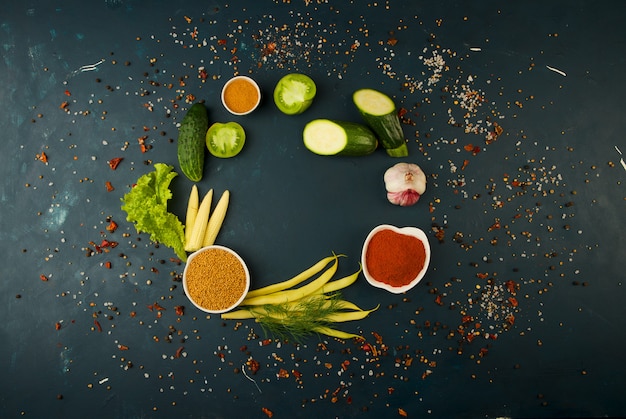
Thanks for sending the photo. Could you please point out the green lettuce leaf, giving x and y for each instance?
(146, 207)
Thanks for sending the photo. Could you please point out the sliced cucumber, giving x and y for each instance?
(379, 112)
(329, 138)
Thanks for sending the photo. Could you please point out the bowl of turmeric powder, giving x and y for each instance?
(241, 95)
(216, 279)
(395, 259)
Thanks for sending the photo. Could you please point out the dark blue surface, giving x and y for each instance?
(541, 206)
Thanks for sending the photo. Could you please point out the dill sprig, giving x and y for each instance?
(298, 320)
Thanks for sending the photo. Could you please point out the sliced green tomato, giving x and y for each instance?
(294, 93)
(225, 139)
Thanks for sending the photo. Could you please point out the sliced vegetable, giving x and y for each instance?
(294, 93)
(225, 140)
(146, 206)
(216, 220)
(379, 112)
(192, 212)
(328, 138)
(191, 137)
(200, 224)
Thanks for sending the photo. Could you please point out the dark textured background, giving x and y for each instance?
(559, 238)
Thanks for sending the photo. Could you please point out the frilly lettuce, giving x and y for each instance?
(146, 207)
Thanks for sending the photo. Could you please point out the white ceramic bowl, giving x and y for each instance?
(231, 306)
(254, 86)
(410, 231)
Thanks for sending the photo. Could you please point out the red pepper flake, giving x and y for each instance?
(203, 74)
(483, 352)
(511, 286)
(42, 157)
(510, 319)
(253, 365)
(438, 300)
(345, 364)
(465, 163)
(267, 412)
(114, 162)
(180, 310)
(64, 105)
(402, 413)
(221, 42)
(297, 374)
(495, 226)
(98, 326)
(43, 277)
(265, 342)
(482, 275)
(112, 226)
(390, 390)
(122, 347)
(187, 19)
(282, 373)
(67, 93)
(57, 326)
(179, 351)
(109, 186)
(513, 301)
(156, 307)
(107, 264)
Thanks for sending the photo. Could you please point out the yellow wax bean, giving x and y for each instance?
(348, 316)
(336, 333)
(301, 277)
(294, 294)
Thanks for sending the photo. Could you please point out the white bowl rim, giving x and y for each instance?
(245, 268)
(256, 86)
(410, 231)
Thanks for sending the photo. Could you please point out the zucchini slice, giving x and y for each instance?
(379, 113)
(329, 138)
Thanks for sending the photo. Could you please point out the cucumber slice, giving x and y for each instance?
(379, 113)
(294, 93)
(329, 138)
(225, 140)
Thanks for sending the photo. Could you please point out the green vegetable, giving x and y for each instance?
(225, 140)
(191, 137)
(328, 138)
(380, 114)
(294, 93)
(146, 206)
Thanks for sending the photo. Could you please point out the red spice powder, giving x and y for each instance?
(394, 258)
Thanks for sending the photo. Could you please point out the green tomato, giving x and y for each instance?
(294, 93)
(225, 139)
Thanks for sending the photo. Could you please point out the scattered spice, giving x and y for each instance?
(215, 279)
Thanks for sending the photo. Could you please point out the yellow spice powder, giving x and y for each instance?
(216, 279)
(240, 96)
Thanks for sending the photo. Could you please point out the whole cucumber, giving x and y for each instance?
(191, 139)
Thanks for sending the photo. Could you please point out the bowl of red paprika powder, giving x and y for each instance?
(395, 259)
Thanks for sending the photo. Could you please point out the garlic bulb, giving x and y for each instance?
(405, 183)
